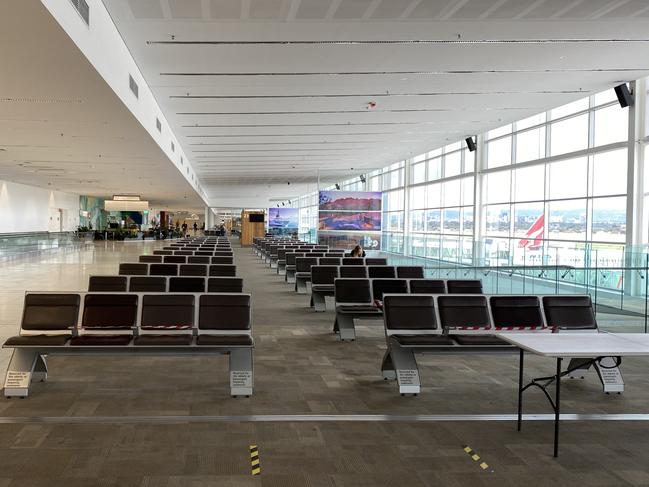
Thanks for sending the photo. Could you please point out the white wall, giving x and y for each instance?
(28, 209)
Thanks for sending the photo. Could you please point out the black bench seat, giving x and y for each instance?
(131, 323)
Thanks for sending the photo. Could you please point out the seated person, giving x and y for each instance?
(357, 252)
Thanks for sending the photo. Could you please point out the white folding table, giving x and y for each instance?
(594, 346)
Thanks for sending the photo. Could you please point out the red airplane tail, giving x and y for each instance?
(533, 236)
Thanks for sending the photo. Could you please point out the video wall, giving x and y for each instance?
(283, 221)
(350, 218)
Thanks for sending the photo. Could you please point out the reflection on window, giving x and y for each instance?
(568, 178)
(452, 193)
(529, 183)
(498, 218)
(435, 169)
(609, 219)
(530, 145)
(528, 221)
(419, 173)
(498, 187)
(611, 125)
(499, 152)
(467, 220)
(609, 173)
(418, 197)
(453, 164)
(434, 221)
(417, 221)
(569, 135)
(567, 220)
(451, 221)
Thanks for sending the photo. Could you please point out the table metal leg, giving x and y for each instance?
(557, 408)
(520, 389)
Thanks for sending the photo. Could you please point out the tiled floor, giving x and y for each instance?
(300, 369)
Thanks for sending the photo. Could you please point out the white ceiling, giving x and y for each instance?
(262, 92)
(62, 127)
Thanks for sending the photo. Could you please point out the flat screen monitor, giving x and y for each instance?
(256, 218)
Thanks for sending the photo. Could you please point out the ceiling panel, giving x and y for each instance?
(391, 9)
(430, 9)
(549, 8)
(587, 9)
(352, 9)
(146, 9)
(268, 9)
(627, 9)
(313, 9)
(307, 89)
(512, 8)
(225, 9)
(185, 9)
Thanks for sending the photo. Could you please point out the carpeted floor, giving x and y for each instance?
(108, 420)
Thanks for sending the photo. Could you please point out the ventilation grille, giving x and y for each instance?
(82, 7)
(133, 86)
(158, 125)
(173, 147)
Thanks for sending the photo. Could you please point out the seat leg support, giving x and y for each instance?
(241, 377)
(345, 327)
(387, 367)
(300, 285)
(40, 369)
(290, 276)
(609, 375)
(19, 372)
(406, 369)
(319, 302)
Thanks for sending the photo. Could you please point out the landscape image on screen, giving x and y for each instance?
(349, 240)
(350, 201)
(369, 221)
(283, 217)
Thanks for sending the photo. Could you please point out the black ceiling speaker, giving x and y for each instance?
(470, 144)
(624, 96)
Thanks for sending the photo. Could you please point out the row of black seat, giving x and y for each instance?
(362, 298)
(209, 253)
(291, 267)
(186, 259)
(364, 291)
(161, 284)
(146, 269)
(419, 323)
(82, 323)
(326, 272)
(277, 254)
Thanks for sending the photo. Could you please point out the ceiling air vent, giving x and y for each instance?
(81, 6)
(158, 125)
(133, 86)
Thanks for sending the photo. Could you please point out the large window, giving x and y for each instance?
(569, 193)
(551, 189)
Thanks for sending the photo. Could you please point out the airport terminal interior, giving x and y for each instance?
(324, 243)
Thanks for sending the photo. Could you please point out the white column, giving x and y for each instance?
(634, 184)
(479, 220)
(209, 220)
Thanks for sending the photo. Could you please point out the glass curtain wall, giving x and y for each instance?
(555, 186)
(552, 190)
